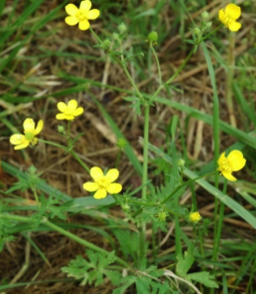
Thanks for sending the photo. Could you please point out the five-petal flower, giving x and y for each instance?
(229, 15)
(69, 111)
(103, 184)
(232, 163)
(22, 141)
(81, 15)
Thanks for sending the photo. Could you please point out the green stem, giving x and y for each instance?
(67, 150)
(158, 64)
(95, 35)
(65, 233)
(160, 88)
(35, 195)
(68, 134)
(144, 178)
(217, 237)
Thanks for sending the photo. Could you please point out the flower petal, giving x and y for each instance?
(112, 174)
(84, 25)
(22, 146)
(61, 116)
(39, 127)
(29, 125)
(71, 21)
(236, 160)
(96, 173)
(17, 139)
(229, 176)
(220, 160)
(221, 15)
(85, 5)
(72, 104)
(101, 193)
(93, 14)
(114, 188)
(233, 10)
(234, 26)
(62, 106)
(91, 186)
(78, 111)
(71, 9)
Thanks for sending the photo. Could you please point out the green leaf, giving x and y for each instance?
(203, 278)
(184, 264)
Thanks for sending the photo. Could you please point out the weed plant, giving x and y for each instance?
(159, 235)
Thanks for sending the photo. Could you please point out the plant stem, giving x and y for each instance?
(63, 232)
(157, 63)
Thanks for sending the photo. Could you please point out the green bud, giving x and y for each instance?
(61, 129)
(116, 36)
(205, 15)
(121, 143)
(181, 162)
(153, 37)
(162, 215)
(106, 44)
(125, 207)
(208, 24)
(122, 28)
(196, 31)
(32, 170)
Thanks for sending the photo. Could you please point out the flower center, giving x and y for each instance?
(103, 183)
(81, 15)
(29, 136)
(225, 166)
(227, 19)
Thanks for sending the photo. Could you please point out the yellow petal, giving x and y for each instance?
(71, 9)
(90, 186)
(234, 26)
(101, 193)
(236, 160)
(96, 173)
(61, 116)
(71, 20)
(22, 146)
(112, 174)
(85, 5)
(222, 157)
(78, 111)
(17, 139)
(29, 125)
(114, 188)
(62, 106)
(233, 10)
(39, 127)
(93, 14)
(84, 25)
(221, 15)
(72, 104)
(229, 176)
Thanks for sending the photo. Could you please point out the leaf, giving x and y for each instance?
(184, 264)
(203, 278)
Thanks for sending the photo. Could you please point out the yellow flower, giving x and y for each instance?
(69, 111)
(229, 15)
(22, 141)
(81, 15)
(195, 217)
(103, 184)
(234, 162)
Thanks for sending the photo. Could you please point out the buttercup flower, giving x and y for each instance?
(103, 184)
(229, 15)
(234, 162)
(195, 217)
(81, 15)
(69, 111)
(22, 141)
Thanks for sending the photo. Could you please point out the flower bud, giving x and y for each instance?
(106, 44)
(205, 15)
(196, 31)
(194, 217)
(122, 28)
(121, 143)
(153, 37)
(61, 129)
